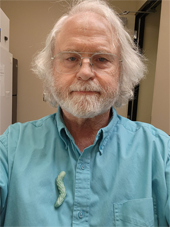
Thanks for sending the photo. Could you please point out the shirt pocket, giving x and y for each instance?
(138, 212)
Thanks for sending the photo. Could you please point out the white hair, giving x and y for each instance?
(133, 68)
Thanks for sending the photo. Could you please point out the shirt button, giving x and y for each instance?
(81, 214)
(82, 166)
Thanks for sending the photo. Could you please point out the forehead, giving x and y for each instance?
(87, 31)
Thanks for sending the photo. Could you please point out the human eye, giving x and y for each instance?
(71, 59)
(101, 60)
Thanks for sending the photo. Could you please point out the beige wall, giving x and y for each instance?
(150, 44)
(30, 22)
(161, 97)
(121, 6)
(140, 3)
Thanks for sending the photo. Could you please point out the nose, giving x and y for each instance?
(85, 72)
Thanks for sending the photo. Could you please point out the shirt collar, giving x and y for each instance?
(102, 135)
(107, 131)
(63, 131)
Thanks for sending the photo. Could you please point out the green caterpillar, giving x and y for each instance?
(61, 189)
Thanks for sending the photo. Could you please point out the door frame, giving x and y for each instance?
(148, 7)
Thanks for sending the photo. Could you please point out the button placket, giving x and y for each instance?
(82, 191)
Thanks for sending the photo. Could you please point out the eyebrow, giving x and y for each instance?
(80, 52)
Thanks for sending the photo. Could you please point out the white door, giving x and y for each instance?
(5, 89)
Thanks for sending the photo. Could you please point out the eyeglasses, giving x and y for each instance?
(70, 62)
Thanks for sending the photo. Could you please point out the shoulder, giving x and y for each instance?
(36, 123)
(135, 126)
(143, 139)
(18, 129)
(144, 136)
(24, 137)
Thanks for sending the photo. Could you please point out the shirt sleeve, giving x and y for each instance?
(167, 176)
(3, 171)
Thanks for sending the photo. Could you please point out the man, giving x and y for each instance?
(110, 171)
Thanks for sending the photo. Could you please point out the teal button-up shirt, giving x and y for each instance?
(123, 179)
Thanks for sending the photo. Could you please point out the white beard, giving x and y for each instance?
(85, 105)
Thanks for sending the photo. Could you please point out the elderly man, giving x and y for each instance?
(85, 165)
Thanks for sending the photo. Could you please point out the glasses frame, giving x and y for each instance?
(79, 53)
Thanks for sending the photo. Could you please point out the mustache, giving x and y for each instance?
(88, 86)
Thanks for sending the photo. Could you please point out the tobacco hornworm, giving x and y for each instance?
(61, 189)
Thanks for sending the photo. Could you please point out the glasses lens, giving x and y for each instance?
(104, 62)
(67, 62)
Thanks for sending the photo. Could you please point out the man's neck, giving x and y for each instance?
(84, 130)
